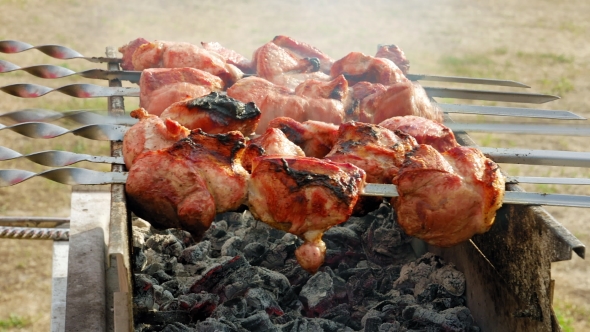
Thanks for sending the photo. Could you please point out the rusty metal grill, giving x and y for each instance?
(99, 226)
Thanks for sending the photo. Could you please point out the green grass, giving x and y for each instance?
(545, 58)
(557, 87)
(14, 322)
(568, 313)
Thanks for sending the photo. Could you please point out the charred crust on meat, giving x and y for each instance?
(343, 190)
(235, 140)
(228, 106)
(292, 134)
(315, 64)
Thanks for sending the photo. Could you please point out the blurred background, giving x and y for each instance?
(542, 43)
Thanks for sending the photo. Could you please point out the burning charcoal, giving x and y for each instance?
(372, 324)
(343, 246)
(386, 243)
(158, 242)
(162, 296)
(339, 314)
(320, 293)
(259, 321)
(172, 286)
(232, 247)
(235, 308)
(216, 273)
(200, 306)
(273, 282)
(390, 327)
(313, 325)
(138, 238)
(454, 319)
(212, 325)
(196, 253)
(139, 259)
(161, 276)
(144, 292)
(160, 318)
(254, 252)
(185, 238)
(260, 299)
(153, 268)
(452, 280)
(177, 327)
(361, 285)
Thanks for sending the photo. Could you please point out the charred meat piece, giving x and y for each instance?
(316, 138)
(446, 198)
(425, 131)
(404, 98)
(272, 143)
(162, 87)
(185, 185)
(357, 67)
(284, 67)
(395, 54)
(376, 150)
(304, 196)
(150, 133)
(334, 89)
(305, 50)
(231, 56)
(215, 114)
(163, 54)
(275, 101)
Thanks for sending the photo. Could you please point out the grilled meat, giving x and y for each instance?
(376, 150)
(304, 196)
(185, 185)
(284, 67)
(425, 131)
(357, 67)
(395, 54)
(399, 99)
(162, 54)
(162, 87)
(232, 57)
(316, 138)
(150, 133)
(215, 114)
(446, 198)
(275, 101)
(272, 143)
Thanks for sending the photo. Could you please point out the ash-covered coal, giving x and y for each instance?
(243, 276)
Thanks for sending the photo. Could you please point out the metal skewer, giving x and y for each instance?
(55, 51)
(57, 158)
(79, 116)
(77, 176)
(98, 132)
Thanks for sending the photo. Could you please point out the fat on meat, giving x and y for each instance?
(215, 114)
(161, 87)
(186, 185)
(272, 143)
(446, 198)
(425, 131)
(150, 133)
(304, 196)
(316, 138)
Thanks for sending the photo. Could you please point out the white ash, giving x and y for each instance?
(243, 276)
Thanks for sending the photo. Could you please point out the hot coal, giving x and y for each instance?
(243, 276)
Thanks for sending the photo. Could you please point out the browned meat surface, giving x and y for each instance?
(128, 51)
(375, 149)
(230, 56)
(215, 114)
(284, 67)
(395, 54)
(150, 133)
(162, 54)
(304, 196)
(276, 101)
(425, 131)
(272, 143)
(304, 50)
(405, 98)
(444, 199)
(316, 138)
(357, 67)
(185, 185)
(162, 87)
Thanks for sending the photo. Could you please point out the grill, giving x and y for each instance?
(507, 270)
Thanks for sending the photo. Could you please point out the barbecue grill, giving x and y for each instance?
(507, 269)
